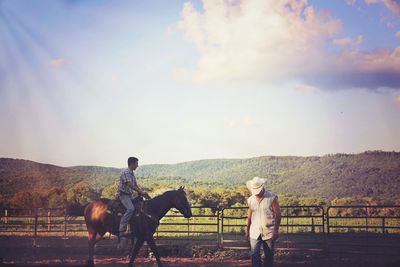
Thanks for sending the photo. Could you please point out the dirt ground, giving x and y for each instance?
(140, 262)
(181, 262)
(293, 252)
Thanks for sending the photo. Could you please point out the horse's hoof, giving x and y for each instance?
(90, 263)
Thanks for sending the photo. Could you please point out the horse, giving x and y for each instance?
(99, 220)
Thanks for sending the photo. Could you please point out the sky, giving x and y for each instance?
(93, 82)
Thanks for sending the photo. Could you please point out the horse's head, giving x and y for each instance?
(181, 203)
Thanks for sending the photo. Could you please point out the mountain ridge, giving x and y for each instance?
(371, 174)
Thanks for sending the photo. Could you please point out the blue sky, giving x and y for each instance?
(93, 82)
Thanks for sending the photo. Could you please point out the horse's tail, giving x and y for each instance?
(75, 209)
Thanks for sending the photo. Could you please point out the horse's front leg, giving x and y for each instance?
(138, 244)
(153, 247)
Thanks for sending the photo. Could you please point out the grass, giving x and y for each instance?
(206, 224)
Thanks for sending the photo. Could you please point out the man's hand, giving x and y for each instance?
(145, 195)
(247, 235)
(275, 235)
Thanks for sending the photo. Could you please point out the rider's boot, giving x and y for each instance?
(124, 234)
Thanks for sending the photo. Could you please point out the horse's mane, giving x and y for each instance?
(105, 200)
(165, 194)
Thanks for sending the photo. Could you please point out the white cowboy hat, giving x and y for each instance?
(256, 185)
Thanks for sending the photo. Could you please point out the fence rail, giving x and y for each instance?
(216, 225)
(369, 219)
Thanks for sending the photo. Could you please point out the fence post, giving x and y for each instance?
(366, 219)
(65, 223)
(6, 216)
(323, 220)
(222, 228)
(383, 225)
(218, 237)
(35, 228)
(327, 220)
(312, 225)
(188, 229)
(287, 220)
(36, 223)
(49, 221)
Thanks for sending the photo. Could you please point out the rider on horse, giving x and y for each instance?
(126, 193)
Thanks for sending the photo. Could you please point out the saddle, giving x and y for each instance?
(115, 206)
(116, 209)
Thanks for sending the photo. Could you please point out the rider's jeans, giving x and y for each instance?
(126, 200)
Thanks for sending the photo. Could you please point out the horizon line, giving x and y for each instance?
(188, 161)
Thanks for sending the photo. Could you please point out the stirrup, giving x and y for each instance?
(125, 231)
(125, 235)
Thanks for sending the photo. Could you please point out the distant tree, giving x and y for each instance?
(56, 198)
(396, 211)
(238, 210)
(352, 201)
(3, 201)
(110, 191)
(57, 201)
(22, 200)
(311, 201)
(38, 200)
(193, 196)
(243, 191)
(81, 193)
(288, 200)
(213, 199)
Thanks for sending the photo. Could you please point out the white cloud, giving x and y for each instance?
(390, 25)
(280, 41)
(57, 62)
(181, 75)
(360, 39)
(242, 122)
(392, 5)
(351, 2)
(347, 41)
(306, 89)
(253, 38)
(342, 42)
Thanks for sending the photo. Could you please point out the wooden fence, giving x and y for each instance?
(213, 225)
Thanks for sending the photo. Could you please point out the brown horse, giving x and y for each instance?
(100, 220)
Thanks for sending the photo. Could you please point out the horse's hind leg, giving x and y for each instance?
(93, 238)
(153, 247)
(138, 244)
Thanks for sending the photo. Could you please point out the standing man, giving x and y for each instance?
(263, 221)
(126, 188)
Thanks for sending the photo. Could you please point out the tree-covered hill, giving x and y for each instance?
(372, 174)
(25, 175)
